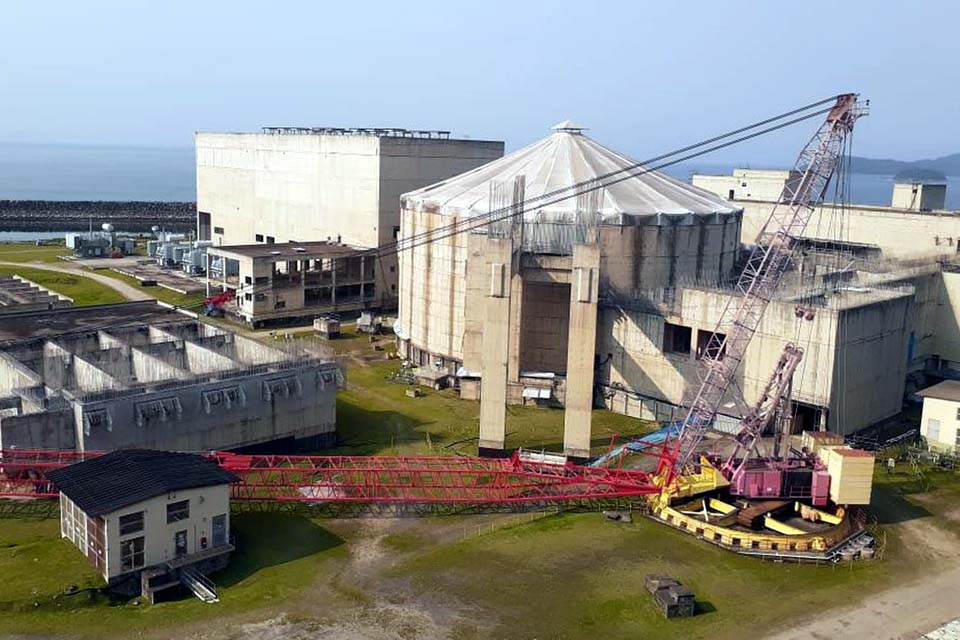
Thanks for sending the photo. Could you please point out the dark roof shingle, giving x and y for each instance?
(121, 478)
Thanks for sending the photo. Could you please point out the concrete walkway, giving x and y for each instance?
(128, 291)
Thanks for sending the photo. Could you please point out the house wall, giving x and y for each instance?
(159, 546)
(946, 413)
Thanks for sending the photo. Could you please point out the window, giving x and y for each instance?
(676, 338)
(218, 230)
(271, 239)
(259, 237)
(177, 511)
(131, 523)
(220, 530)
(933, 429)
(730, 194)
(247, 280)
(392, 268)
(396, 233)
(279, 304)
(131, 554)
(958, 413)
(705, 347)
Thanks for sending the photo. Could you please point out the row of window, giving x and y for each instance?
(678, 338)
(133, 522)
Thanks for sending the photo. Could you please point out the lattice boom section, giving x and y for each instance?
(370, 479)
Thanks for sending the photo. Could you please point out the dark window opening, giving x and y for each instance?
(259, 237)
(218, 230)
(131, 523)
(713, 349)
(730, 195)
(396, 233)
(676, 338)
(279, 304)
(271, 239)
(177, 511)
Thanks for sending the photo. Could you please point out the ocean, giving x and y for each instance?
(103, 172)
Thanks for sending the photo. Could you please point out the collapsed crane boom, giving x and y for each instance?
(762, 274)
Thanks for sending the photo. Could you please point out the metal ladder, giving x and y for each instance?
(199, 584)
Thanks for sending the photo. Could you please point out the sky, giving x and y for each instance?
(645, 77)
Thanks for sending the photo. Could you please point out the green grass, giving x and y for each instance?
(375, 416)
(160, 293)
(84, 291)
(580, 576)
(30, 252)
(278, 554)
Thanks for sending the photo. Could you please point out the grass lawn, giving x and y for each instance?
(580, 576)
(278, 554)
(375, 416)
(84, 291)
(160, 293)
(30, 252)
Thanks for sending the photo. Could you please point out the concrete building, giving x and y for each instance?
(940, 422)
(153, 518)
(518, 304)
(610, 302)
(293, 283)
(141, 375)
(916, 212)
(292, 184)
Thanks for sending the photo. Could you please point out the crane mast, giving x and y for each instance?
(760, 278)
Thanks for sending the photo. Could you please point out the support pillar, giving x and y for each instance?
(495, 346)
(581, 346)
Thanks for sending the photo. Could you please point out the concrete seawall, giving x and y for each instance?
(54, 215)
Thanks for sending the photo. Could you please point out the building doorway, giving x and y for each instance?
(180, 543)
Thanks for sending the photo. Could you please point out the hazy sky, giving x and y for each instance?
(644, 76)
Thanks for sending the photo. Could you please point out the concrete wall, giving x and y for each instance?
(41, 430)
(866, 385)
(544, 327)
(946, 413)
(198, 417)
(634, 261)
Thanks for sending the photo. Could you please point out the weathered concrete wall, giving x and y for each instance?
(865, 387)
(200, 417)
(315, 187)
(897, 232)
(41, 430)
(943, 413)
(544, 327)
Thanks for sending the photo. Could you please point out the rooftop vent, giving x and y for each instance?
(299, 249)
(274, 253)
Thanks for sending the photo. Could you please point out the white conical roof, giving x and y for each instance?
(566, 157)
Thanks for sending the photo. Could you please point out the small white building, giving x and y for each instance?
(940, 423)
(158, 516)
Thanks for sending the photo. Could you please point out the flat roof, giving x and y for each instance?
(287, 251)
(46, 323)
(946, 390)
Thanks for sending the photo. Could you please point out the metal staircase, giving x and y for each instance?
(200, 585)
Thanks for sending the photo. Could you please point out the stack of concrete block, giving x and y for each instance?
(674, 599)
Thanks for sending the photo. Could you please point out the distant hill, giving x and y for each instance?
(946, 166)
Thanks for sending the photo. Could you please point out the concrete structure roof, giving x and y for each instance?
(946, 390)
(118, 479)
(288, 251)
(46, 323)
(564, 158)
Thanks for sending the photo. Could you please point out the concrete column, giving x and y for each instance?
(495, 345)
(581, 346)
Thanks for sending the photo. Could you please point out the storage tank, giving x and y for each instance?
(655, 232)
